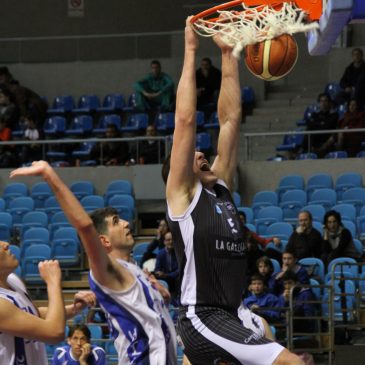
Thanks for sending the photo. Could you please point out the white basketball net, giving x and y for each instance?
(253, 25)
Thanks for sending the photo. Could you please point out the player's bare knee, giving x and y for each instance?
(288, 358)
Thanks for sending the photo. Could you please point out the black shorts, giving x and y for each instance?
(213, 336)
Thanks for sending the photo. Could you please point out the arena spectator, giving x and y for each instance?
(7, 153)
(79, 351)
(150, 151)
(261, 298)
(31, 152)
(25, 99)
(301, 300)
(305, 241)
(290, 263)
(324, 119)
(353, 118)
(155, 91)
(338, 240)
(208, 83)
(157, 243)
(166, 264)
(353, 78)
(8, 110)
(265, 268)
(113, 153)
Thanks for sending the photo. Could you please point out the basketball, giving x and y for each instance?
(272, 59)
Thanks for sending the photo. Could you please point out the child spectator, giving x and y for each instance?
(289, 264)
(260, 299)
(265, 268)
(301, 302)
(31, 152)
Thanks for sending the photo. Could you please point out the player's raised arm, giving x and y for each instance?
(181, 179)
(100, 263)
(229, 115)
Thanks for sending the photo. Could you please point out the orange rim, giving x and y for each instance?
(312, 7)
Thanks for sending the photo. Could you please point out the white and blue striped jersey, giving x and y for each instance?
(17, 350)
(63, 356)
(139, 321)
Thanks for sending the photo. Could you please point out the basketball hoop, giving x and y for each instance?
(257, 22)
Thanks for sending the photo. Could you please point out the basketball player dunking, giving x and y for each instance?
(207, 230)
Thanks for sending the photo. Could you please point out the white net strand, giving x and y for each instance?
(253, 25)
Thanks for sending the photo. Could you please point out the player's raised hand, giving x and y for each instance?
(50, 271)
(84, 298)
(37, 168)
(191, 38)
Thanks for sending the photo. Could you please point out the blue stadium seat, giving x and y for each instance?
(87, 104)
(82, 188)
(34, 236)
(290, 182)
(112, 103)
(340, 264)
(292, 201)
(54, 126)
(61, 105)
(51, 206)
(15, 250)
(350, 226)
(248, 96)
(32, 256)
(325, 197)
(165, 122)
(138, 250)
(248, 212)
(213, 122)
(117, 187)
(96, 334)
(107, 120)
(200, 119)
(266, 216)
(6, 223)
(40, 192)
(291, 142)
(136, 122)
(251, 227)
(80, 126)
(19, 206)
(264, 199)
(276, 265)
(66, 246)
(32, 220)
(355, 196)
(84, 150)
(203, 142)
(347, 211)
(314, 266)
(2, 205)
(308, 112)
(318, 226)
(132, 103)
(359, 246)
(14, 190)
(280, 230)
(347, 181)
(58, 220)
(318, 181)
(336, 154)
(125, 206)
(333, 89)
(92, 202)
(236, 198)
(307, 156)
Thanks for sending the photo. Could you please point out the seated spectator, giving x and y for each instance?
(166, 264)
(324, 119)
(266, 269)
(289, 264)
(150, 151)
(208, 82)
(157, 243)
(8, 110)
(260, 299)
(301, 303)
(353, 118)
(31, 152)
(113, 153)
(25, 99)
(155, 91)
(338, 240)
(305, 241)
(7, 153)
(79, 351)
(353, 77)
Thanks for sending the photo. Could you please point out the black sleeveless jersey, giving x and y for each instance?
(210, 250)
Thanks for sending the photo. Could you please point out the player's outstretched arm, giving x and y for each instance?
(229, 115)
(99, 261)
(181, 179)
(51, 329)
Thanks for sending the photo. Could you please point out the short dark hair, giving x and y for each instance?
(98, 216)
(321, 95)
(208, 60)
(80, 327)
(289, 275)
(358, 50)
(257, 277)
(291, 252)
(156, 62)
(333, 213)
(166, 168)
(266, 261)
(308, 213)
